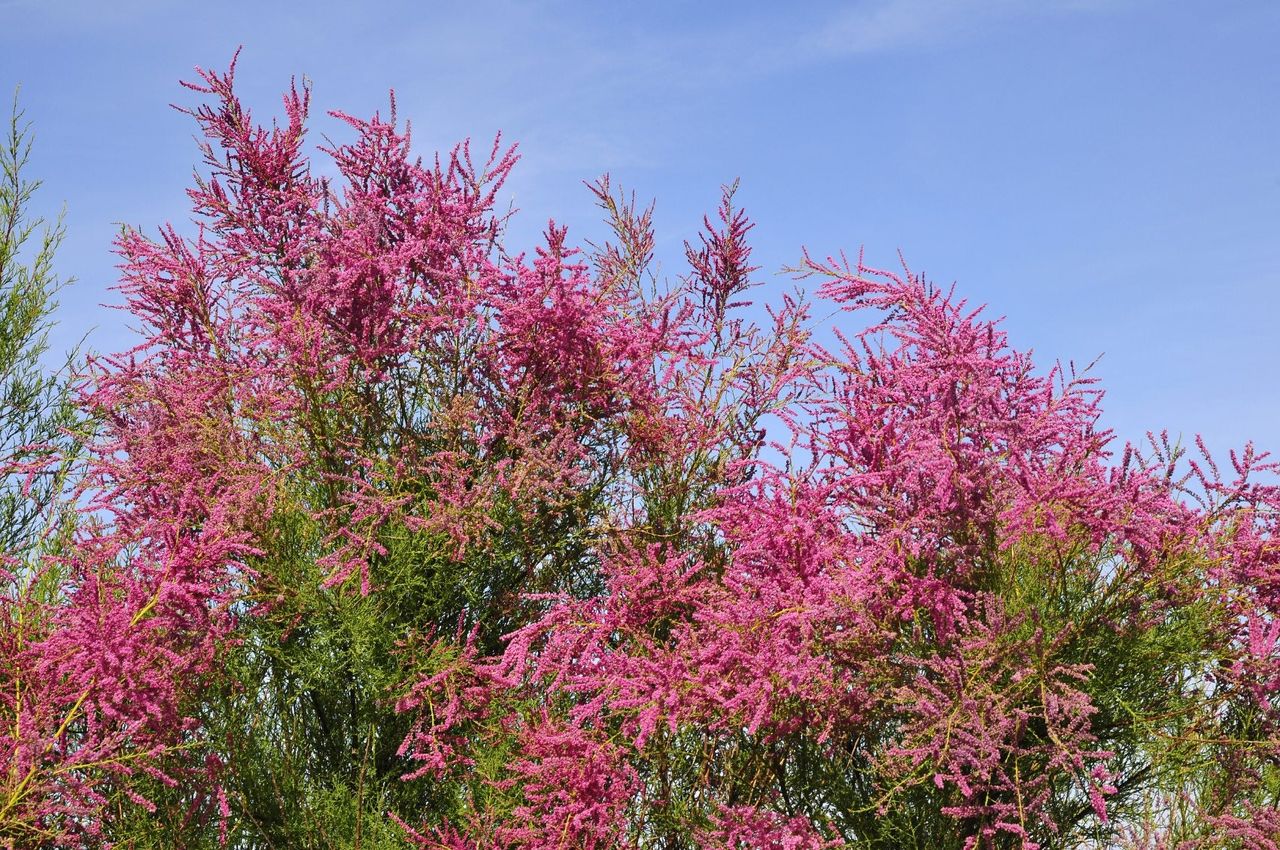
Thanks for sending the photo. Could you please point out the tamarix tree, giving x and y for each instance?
(390, 535)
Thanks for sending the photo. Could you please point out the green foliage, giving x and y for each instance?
(303, 718)
(36, 410)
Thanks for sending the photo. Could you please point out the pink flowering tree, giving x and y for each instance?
(394, 536)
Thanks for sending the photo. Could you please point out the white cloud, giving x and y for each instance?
(887, 25)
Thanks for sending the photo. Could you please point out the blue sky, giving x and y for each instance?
(1104, 173)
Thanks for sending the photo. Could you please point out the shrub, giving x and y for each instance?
(396, 537)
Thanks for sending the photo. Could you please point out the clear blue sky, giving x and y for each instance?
(1105, 173)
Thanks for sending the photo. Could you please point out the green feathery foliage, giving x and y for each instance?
(36, 411)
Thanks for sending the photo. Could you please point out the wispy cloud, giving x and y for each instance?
(624, 69)
(889, 25)
(729, 50)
